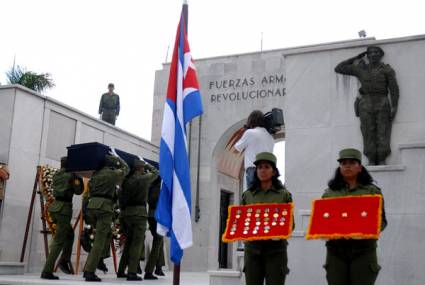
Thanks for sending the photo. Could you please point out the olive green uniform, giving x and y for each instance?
(266, 259)
(109, 107)
(353, 261)
(64, 185)
(102, 196)
(156, 256)
(134, 216)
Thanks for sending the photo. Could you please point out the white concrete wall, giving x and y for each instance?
(39, 130)
(319, 121)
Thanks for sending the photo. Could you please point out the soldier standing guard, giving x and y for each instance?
(109, 107)
(102, 196)
(352, 261)
(64, 185)
(133, 199)
(375, 109)
(156, 256)
(266, 259)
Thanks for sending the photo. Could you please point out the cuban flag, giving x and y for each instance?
(182, 104)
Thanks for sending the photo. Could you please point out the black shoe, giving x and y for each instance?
(91, 277)
(133, 277)
(64, 266)
(102, 266)
(48, 275)
(159, 272)
(150, 276)
(121, 275)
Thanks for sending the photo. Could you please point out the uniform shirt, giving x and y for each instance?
(369, 189)
(135, 193)
(103, 185)
(343, 245)
(260, 196)
(65, 185)
(254, 141)
(109, 103)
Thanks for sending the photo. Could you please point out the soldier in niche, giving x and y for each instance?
(374, 107)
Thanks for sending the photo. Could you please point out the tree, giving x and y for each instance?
(29, 79)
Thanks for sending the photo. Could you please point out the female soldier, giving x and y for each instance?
(266, 259)
(352, 261)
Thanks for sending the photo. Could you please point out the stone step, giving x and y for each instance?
(12, 268)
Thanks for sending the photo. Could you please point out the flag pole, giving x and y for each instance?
(176, 270)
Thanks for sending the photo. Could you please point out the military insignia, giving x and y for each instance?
(258, 222)
(346, 217)
(77, 182)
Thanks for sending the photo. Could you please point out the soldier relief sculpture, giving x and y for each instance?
(376, 105)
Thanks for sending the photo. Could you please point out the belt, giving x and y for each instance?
(102, 196)
(62, 199)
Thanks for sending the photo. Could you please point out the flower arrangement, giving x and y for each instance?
(46, 178)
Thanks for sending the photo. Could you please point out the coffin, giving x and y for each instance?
(88, 157)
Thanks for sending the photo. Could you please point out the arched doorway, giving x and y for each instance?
(231, 183)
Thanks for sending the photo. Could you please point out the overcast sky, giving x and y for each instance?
(85, 44)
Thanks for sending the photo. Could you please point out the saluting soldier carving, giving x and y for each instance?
(374, 107)
(109, 107)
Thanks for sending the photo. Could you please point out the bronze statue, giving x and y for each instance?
(374, 107)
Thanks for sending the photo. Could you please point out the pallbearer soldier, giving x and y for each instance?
(102, 196)
(156, 255)
(64, 185)
(109, 107)
(133, 199)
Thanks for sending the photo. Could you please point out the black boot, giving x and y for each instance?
(91, 277)
(64, 266)
(159, 272)
(102, 266)
(121, 275)
(133, 277)
(150, 276)
(48, 275)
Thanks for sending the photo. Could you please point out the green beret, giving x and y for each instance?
(138, 162)
(350, 153)
(112, 161)
(265, 156)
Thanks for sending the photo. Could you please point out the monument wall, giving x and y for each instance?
(36, 131)
(318, 107)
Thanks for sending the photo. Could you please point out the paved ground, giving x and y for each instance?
(186, 278)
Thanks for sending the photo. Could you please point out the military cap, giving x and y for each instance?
(139, 162)
(267, 156)
(350, 153)
(64, 159)
(111, 160)
(377, 48)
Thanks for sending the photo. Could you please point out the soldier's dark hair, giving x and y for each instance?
(338, 182)
(255, 119)
(375, 47)
(275, 181)
(111, 85)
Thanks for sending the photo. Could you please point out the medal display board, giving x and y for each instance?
(346, 217)
(259, 222)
